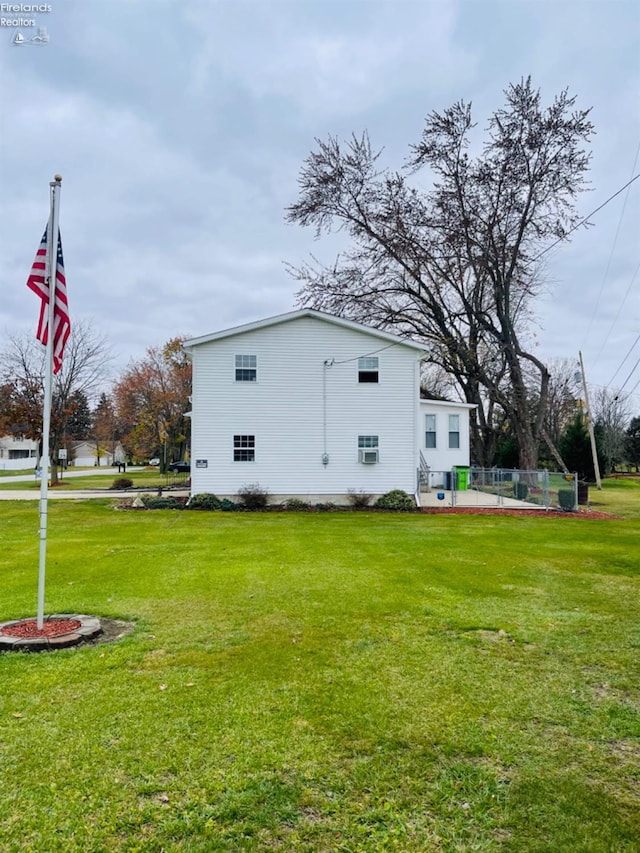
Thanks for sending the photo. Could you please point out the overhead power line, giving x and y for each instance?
(633, 370)
(634, 388)
(606, 272)
(586, 219)
(615, 319)
(630, 350)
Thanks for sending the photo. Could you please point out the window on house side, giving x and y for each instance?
(430, 432)
(246, 368)
(366, 442)
(368, 368)
(454, 432)
(368, 448)
(244, 448)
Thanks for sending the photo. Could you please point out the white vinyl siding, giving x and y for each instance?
(305, 407)
(437, 412)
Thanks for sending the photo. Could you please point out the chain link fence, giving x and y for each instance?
(501, 487)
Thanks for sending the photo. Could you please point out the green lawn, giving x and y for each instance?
(148, 477)
(326, 682)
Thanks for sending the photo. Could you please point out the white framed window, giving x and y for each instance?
(430, 440)
(244, 448)
(454, 432)
(368, 368)
(368, 449)
(246, 368)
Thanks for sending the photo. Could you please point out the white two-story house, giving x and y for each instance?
(17, 452)
(311, 405)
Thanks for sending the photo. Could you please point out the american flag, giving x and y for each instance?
(38, 283)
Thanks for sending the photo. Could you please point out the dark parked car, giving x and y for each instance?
(180, 467)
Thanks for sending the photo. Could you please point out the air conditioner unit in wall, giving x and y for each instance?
(369, 457)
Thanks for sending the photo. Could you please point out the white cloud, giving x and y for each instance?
(180, 129)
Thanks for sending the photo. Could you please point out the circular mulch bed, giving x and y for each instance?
(60, 631)
(28, 628)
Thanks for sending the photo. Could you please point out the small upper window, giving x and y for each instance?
(454, 432)
(430, 432)
(246, 368)
(368, 368)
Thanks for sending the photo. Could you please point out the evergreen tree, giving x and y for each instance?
(78, 425)
(575, 448)
(632, 443)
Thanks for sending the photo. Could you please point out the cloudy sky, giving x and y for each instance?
(180, 129)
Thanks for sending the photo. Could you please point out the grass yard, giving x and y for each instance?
(326, 682)
(149, 478)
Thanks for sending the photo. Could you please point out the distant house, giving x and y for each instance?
(17, 452)
(83, 454)
(308, 404)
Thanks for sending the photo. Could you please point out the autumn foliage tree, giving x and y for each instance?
(456, 264)
(105, 428)
(151, 399)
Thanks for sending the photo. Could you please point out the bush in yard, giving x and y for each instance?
(122, 483)
(162, 503)
(297, 505)
(227, 506)
(567, 499)
(397, 500)
(253, 496)
(326, 507)
(520, 490)
(205, 501)
(358, 500)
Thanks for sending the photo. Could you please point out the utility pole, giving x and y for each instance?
(592, 436)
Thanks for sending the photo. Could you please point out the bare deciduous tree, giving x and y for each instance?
(455, 266)
(84, 369)
(611, 416)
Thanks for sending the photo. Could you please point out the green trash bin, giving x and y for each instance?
(462, 477)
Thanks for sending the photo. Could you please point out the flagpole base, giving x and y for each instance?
(59, 631)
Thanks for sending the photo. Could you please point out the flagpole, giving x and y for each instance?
(52, 254)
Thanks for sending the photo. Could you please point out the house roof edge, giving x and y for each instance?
(189, 344)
